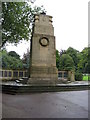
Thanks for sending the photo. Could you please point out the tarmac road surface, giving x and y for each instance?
(72, 104)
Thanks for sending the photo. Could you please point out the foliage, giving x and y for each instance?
(9, 62)
(17, 19)
(88, 64)
(78, 76)
(14, 54)
(57, 59)
(26, 60)
(83, 63)
(62, 52)
(66, 62)
(73, 53)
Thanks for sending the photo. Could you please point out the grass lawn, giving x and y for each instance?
(86, 77)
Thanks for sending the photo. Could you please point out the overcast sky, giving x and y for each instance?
(70, 21)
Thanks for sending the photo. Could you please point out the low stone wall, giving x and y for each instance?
(12, 74)
(63, 76)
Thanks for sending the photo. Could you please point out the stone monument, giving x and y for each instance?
(43, 69)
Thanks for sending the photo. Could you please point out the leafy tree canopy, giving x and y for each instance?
(84, 61)
(57, 59)
(81, 59)
(17, 19)
(66, 62)
(73, 53)
(9, 62)
(26, 60)
(14, 54)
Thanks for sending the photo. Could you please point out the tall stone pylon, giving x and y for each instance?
(43, 69)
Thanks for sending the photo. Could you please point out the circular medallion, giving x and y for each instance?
(44, 41)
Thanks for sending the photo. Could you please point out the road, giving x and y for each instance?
(73, 104)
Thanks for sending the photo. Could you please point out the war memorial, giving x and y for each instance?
(43, 74)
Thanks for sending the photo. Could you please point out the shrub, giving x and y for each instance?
(78, 76)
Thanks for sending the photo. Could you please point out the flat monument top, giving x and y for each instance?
(43, 19)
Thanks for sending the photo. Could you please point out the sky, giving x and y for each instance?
(70, 21)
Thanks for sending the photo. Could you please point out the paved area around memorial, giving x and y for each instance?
(61, 84)
(73, 104)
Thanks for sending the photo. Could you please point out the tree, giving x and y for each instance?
(62, 52)
(73, 53)
(17, 19)
(9, 62)
(66, 62)
(26, 59)
(88, 64)
(57, 59)
(84, 61)
(14, 54)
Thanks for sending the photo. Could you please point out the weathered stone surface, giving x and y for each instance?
(43, 52)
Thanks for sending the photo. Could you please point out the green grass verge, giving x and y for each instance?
(86, 77)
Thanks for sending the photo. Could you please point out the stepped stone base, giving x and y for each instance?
(44, 76)
(42, 82)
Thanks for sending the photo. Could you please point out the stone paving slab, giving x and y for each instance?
(61, 84)
(76, 83)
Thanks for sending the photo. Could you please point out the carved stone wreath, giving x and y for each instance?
(44, 41)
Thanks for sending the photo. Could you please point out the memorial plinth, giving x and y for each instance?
(43, 69)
